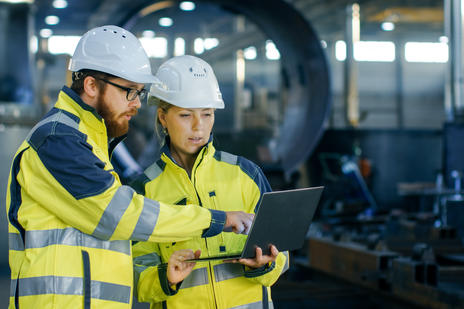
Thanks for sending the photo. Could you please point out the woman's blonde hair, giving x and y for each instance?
(159, 129)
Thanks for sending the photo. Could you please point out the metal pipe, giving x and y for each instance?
(454, 105)
(399, 84)
(239, 83)
(352, 37)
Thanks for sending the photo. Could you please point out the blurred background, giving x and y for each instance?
(365, 98)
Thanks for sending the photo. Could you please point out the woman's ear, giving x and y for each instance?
(162, 117)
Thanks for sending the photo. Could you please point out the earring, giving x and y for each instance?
(165, 131)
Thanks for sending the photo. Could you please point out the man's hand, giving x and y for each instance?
(238, 222)
(178, 268)
(260, 259)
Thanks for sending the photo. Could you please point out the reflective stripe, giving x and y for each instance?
(257, 305)
(15, 242)
(147, 220)
(197, 277)
(287, 258)
(227, 271)
(58, 117)
(13, 283)
(228, 158)
(153, 171)
(151, 259)
(72, 286)
(113, 213)
(137, 271)
(68, 237)
(111, 291)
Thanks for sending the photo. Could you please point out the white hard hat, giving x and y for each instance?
(112, 50)
(187, 82)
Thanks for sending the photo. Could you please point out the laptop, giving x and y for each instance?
(282, 219)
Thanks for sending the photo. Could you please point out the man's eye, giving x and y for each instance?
(184, 115)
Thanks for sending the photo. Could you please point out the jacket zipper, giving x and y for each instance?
(194, 176)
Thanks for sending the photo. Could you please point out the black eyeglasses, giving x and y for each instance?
(131, 93)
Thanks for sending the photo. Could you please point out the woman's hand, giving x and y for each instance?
(260, 260)
(178, 268)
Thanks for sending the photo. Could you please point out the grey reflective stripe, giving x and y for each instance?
(227, 271)
(111, 291)
(147, 220)
(137, 271)
(13, 287)
(73, 237)
(286, 266)
(15, 242)
(153, 171)
(151, 259)
(113, 213)
(197, 277)
(228, 158)
(58, 117)
(256, 305)
(71, 286)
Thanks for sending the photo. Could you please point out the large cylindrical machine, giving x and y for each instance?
(304, 74)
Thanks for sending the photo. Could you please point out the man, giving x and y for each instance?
(70, 219)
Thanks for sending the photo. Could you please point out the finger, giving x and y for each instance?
(274, 251)
(248, 223)
(248, 262)
(197, 254)
(239, 228)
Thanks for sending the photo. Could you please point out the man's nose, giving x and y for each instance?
(136, 102)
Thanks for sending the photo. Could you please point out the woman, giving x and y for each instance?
(190, 170)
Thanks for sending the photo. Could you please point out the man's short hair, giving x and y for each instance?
(78, 79)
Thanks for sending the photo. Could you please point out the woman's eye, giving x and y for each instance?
(184, 115)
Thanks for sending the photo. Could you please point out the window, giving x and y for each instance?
(60, 44)
(426, 52)
(380, 51)
(155, 47)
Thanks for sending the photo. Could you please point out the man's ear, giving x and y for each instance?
(90, 87)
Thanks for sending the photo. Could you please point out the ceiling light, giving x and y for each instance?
(250, 53)
(165, 22)
(179, 47)
(52, 20)
(46, 33)
(272, 53)
(60, 4)
(198, 46)
(148, 34)
(388, 26)
(17, 1)
(210, 43)
(187, 6)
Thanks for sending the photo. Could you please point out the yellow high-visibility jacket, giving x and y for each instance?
(219, 180)
(70, 220)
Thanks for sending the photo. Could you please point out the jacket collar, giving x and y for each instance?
(205, 153)
(91, 123)
(77, 99)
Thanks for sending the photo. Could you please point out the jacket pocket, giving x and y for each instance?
(212, 196)
(86, 279)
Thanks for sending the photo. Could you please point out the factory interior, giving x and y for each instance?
(365, 98)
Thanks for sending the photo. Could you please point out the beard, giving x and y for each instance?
(116, 124)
